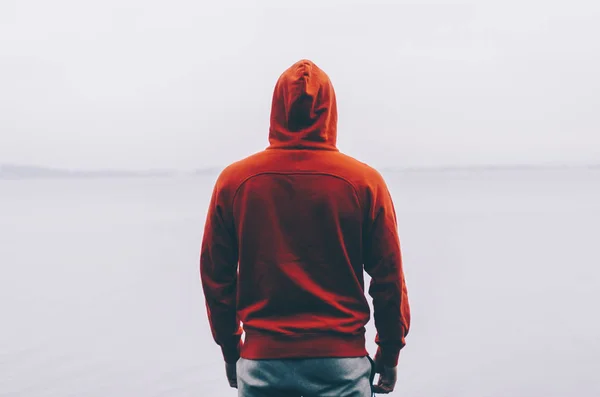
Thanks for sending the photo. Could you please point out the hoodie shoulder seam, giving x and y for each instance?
(354, 189)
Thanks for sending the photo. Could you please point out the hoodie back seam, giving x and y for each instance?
(354, 189)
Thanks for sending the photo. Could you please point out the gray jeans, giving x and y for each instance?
(311, 377)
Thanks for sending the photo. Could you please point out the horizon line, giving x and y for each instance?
(213, 168)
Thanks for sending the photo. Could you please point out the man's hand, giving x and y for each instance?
(387, 377)
(231, 372)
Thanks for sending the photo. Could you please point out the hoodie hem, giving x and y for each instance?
(261, 346)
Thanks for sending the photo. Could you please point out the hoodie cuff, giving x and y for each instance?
(387, 356)
(231, 350)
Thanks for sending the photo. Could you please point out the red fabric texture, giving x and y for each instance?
(288, 233)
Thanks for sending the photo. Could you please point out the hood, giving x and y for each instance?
(304, 111)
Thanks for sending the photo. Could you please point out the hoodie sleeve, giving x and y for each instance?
(218, 273)
(383, 262)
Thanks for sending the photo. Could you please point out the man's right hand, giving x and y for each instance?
(387, 377)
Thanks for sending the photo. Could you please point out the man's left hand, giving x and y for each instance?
(231, 372)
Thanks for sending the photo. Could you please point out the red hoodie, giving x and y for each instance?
(288, 233)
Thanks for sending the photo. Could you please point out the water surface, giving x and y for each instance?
(100, 292)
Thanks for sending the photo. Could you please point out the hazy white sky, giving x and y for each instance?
(184, 84)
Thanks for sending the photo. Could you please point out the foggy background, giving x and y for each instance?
(99, 278)
(187, 84)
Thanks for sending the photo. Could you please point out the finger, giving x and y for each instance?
(381, 389)
(384, 384)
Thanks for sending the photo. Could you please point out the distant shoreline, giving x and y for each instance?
(11, 171)
(524, 167)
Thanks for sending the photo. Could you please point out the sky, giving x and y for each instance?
(146, 84)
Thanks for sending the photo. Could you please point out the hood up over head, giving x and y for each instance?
(304, 111)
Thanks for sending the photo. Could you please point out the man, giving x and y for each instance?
(288, 233)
